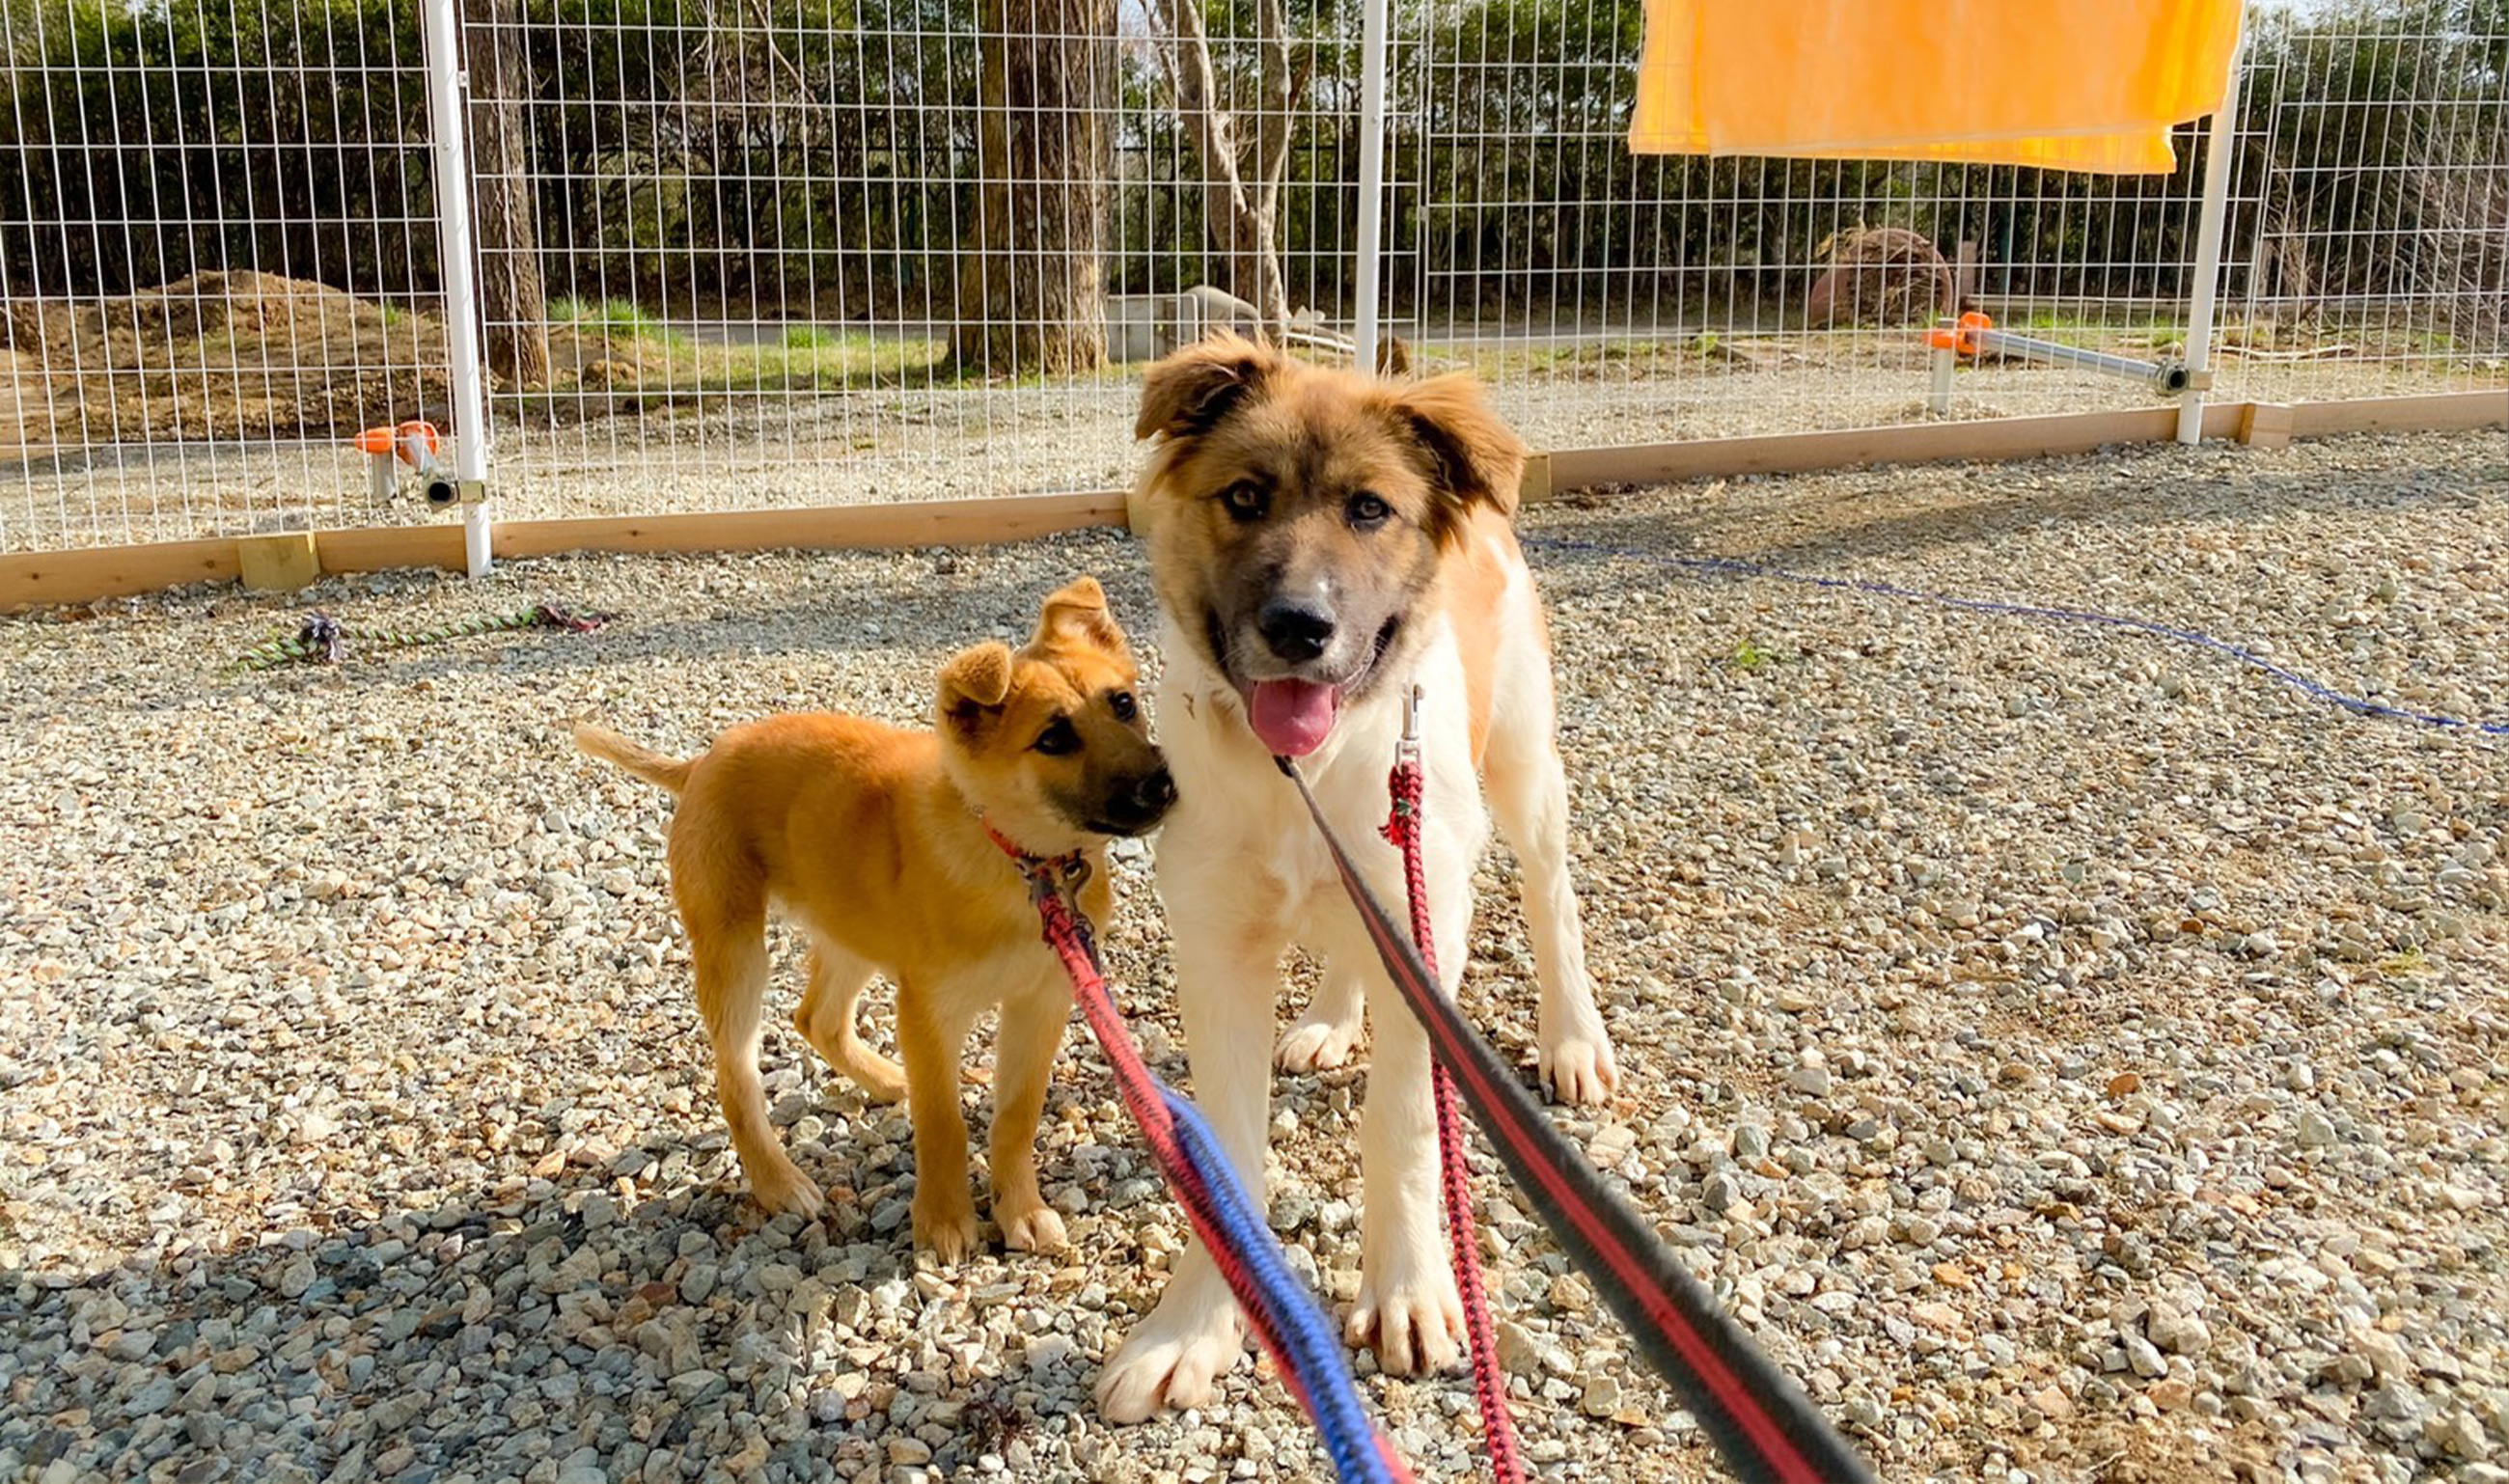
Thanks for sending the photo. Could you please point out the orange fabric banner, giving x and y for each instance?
(2071, 85)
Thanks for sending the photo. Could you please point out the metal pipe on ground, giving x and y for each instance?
(2167, 377)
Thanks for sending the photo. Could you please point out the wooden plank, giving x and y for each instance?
(1138, 512)
(2266, 424)
(389, 548)
(837, 528)
(82, 576)
(40, 577)
(2437, 412)
(277, 563)
(1984, 440)
(1916, 443)
(1535, 487)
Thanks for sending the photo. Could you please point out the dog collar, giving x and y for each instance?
(1048, 875)
(1024, 857)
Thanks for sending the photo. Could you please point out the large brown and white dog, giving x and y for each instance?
(1321, 542)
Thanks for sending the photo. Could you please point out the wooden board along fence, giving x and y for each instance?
(40, 578)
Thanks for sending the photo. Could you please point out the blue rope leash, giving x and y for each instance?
(1736, 566)
(1314, 1351)
(1284, 1315)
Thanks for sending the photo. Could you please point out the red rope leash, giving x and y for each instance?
(1759, 1420)
(1454, 1177)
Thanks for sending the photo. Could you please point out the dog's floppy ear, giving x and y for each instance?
(1077, 612)
(1476, 457)
(974, 684)
(1193, 388)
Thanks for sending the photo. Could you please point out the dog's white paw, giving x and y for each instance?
(1316, 1046)
(788, 1192)
(1170, 1362)
(1415, 1325)
(1035, 1230)
(1579, 1070)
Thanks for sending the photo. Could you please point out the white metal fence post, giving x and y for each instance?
(448, 91)
(2221, 147)
(1372, 182)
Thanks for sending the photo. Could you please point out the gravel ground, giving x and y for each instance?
(938, 442)
(2077, 1054)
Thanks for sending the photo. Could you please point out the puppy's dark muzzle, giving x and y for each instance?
(1139, 804)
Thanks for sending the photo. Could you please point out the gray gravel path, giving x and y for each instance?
(2077, 1054)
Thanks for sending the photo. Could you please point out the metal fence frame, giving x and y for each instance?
(1658, 373)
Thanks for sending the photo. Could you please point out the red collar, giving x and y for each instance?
(1026, 859)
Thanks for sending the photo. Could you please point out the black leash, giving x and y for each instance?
(1762, 1422)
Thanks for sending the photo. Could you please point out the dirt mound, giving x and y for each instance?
(233, 356)
(216, 356)
(213, 321)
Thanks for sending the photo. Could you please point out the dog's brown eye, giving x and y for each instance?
(1366, 511)
(1246, 501)
(1123, 705)
(1059, 738)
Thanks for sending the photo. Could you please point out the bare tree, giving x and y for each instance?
(1242, 167)
(513, 297)
(1035, 299)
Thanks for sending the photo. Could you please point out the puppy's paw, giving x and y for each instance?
(1034, 1230)
(786, 1191)
(944, 1227)
(1579, 1070)
(1171, 1362)
(1416, 1327)
(882, 1080)
(1316, 1046)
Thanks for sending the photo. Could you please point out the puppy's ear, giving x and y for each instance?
(974, 684)
(1474, 458)
(1076, 613)
(1192, 390)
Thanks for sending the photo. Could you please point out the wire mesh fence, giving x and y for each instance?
(754, 252)
(216, 253)
(1720, 296)
(892, 252)
(2372, 250)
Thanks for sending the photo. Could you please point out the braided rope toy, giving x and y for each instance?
(324, 640)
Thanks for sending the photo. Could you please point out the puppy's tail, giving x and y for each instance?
(601, 742)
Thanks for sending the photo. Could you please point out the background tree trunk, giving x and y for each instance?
(1241, 177)
(513, 298)
(1033, 301)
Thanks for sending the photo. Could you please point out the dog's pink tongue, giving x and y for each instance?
(1293, 717)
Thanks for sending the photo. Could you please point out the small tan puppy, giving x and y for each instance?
(873, 841)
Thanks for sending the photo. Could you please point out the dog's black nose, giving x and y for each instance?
(1154, 792)
(1296, 631)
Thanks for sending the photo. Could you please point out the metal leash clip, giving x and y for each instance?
(1059, 880)
(1059, 877)
(1406, 757)
(1406, 763)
